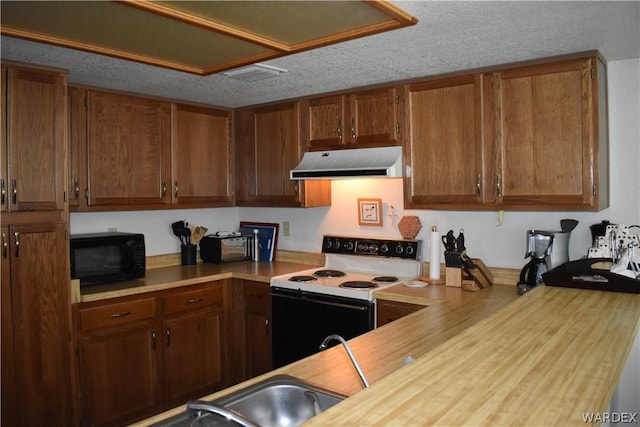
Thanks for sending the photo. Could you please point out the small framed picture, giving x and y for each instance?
(370, 212)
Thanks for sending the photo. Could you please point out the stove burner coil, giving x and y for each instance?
(329, 273)
(386, 279)
(358, 284)
(302, 278)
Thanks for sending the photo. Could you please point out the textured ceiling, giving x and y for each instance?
(449, 36)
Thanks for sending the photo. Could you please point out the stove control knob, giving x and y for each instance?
(399, 249)
(349, 245)
(362, 247)
(384, 248)
(328, 244)
(410, 250)
(373, 247)
(337, 244)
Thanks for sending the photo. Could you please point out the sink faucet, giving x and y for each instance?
(346, 347)
(195, 408)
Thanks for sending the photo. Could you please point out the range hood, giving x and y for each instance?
(379, 162)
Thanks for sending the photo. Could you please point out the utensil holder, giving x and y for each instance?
(188, 254)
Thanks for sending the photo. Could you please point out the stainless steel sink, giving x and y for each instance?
(281, 400)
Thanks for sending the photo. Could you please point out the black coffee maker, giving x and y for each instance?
(539, 249)
(547, 250)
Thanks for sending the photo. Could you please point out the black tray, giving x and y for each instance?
(590, 273)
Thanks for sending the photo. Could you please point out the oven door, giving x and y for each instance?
(302, 320)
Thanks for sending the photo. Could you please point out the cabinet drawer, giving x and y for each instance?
(190, 300)
(118, 314)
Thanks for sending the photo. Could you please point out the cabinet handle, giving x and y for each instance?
(5, 245)
(76, 189)
(14, 190)
(266, 326)
(339, 130)
(3, 191)
(353, 129)
(175, 192)
(164, 188)
(16, 236)
(499, 186)
(154, 340)
(479, 185)
(168, 334)
(118, 315)
(194, 300)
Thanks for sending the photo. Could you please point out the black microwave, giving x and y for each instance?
(98, 258)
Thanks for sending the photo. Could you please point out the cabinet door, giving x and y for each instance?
(119, 374)
(40, 317)
(77, 147)
(267, 148)
(258, 328)
(3, 143)
(128, 150)
(193, 355)
(36, 140)
(277, 152)
(326, 121)
(445, 145)
(543, 128)
(374, 118)
(9, 410)
(201, 156)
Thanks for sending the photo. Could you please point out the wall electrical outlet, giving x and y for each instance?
(286, 232)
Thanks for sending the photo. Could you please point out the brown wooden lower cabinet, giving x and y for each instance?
(119, 372)
(193, 343)
(36, 385)
(143, 354)
(388, 311)
(257, 317)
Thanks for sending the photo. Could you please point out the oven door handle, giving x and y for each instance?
(315, 301)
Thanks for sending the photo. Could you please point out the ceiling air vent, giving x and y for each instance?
(254, 72)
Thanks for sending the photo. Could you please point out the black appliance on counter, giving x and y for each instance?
(98, 258)
(337, 298)
(216, 248)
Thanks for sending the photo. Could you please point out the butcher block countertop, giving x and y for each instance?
(480, 358)
(158, 279)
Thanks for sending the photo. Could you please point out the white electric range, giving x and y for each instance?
(337, 298)
(351, 276)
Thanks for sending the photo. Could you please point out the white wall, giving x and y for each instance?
(155, 225)
(498, 246)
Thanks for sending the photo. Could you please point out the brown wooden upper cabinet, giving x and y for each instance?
(33, 140)
(445, 148)
(529, 137)
(363, 119)
(548, 124)
(201, 156)
(128, 150)
(267, 148)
